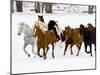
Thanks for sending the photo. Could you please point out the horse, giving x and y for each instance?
(72, 37)
(40, 18)
(89, 37)
(28, 36)
(44, 38)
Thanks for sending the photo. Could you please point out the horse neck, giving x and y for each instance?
(40, 34)
(42, 20)
(27, 32)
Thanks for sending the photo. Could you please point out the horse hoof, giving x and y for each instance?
(77, 55)
(40, 56)
(71, 53)
(63, 54)
(53, 57)
(28, 55)
(45, 58)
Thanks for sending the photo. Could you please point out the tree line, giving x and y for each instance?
(40, 8)
(46, 6)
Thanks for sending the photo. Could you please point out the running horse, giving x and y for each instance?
(23, 28)
(44, 38)
(89, 36)
(72, 37)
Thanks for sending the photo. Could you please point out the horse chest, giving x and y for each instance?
(29, 40)
(41, 43)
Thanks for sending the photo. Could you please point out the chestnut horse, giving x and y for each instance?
(44, 38)
(72, 37)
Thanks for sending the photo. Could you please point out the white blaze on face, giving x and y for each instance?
(34, 30)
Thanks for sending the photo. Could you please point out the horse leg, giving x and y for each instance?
(38, 52)
(44, 53)
(79, 47)
(53, 51)
(25, 44)
(47, 50)
(85, 44)
(71, 49)
(66, 45)
(90, 48)
(95, 46)
(33, 48)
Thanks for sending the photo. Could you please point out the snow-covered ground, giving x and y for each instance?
(23, 64)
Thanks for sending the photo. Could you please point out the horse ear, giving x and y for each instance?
(22, 23)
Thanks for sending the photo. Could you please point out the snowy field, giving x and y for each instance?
(23, 64)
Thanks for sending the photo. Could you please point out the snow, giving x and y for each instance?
(21, 63)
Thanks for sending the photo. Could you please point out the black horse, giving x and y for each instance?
(52, 26)
(89, 37)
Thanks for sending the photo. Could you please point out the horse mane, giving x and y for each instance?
(22, 23)
(38, 23)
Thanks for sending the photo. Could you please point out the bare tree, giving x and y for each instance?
(37, 7)
(12, 7)
(90, 9)
(19, 6)
(42, 7)
(48, 7)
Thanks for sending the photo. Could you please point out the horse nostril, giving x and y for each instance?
(18, 33)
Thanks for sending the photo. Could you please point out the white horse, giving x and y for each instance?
(28, 36)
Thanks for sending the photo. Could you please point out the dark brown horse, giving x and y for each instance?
(89, 36)
(72, 37)
(44, 39)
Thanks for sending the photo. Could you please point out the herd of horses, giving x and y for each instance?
(47, 34)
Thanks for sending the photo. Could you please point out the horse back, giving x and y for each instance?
(50, 36)
(77, 37)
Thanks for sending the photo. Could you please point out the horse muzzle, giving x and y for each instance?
(18, 33)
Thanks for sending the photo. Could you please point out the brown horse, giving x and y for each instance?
(72, 37)
(44, 39)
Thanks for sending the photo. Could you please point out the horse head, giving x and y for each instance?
(65, 33)
(20, 28)
(40, 18)
(35, 30)
(82, 29)
(90, 27)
